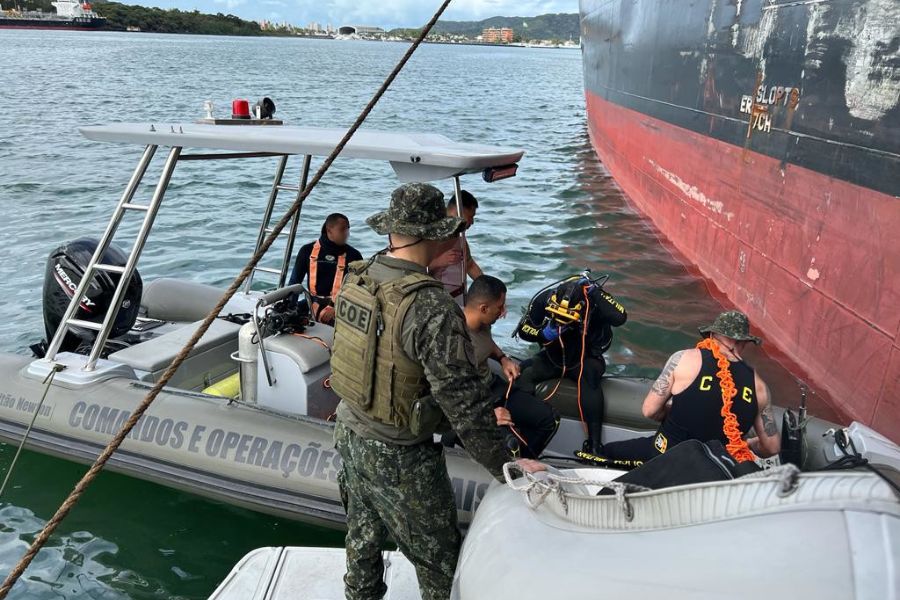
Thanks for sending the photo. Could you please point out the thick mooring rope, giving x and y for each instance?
(114, 444)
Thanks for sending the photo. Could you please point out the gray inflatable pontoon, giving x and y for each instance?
(778, 534)
(265, 446)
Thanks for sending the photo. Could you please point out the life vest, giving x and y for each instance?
(369, 368)
(320, 302)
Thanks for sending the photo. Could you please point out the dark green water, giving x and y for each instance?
(130, 539)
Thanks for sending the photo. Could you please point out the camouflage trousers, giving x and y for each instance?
(402, 493)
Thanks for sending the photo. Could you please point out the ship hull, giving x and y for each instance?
(55, 24)
(786, 201)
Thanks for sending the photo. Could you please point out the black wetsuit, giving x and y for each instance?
(605, 312)
(535, 421)
(696, 413)
(326, 269)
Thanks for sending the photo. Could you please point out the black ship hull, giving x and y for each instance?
(762, 137)
(72, 24)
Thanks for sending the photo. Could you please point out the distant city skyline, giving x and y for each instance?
(384, 13)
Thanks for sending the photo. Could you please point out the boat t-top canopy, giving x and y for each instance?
(414, 156)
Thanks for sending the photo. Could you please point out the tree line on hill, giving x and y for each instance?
(123, 16)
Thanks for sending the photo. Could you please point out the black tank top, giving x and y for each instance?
(696, 412)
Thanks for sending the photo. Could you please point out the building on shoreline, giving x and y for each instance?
(497, 35)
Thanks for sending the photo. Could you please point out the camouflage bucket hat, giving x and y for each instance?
(732, 324)
(417, 210)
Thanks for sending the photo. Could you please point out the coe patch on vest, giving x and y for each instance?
(661, 443)
(353, 314)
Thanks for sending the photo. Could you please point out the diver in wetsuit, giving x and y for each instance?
(325, 262)
(573, 324)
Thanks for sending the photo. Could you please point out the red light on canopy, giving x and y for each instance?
(240, 109)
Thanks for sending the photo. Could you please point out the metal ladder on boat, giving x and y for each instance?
(95, 265)
(265, 228)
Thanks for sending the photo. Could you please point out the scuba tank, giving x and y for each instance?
(248, 350)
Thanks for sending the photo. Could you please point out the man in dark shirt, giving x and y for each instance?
(324, 263)
(687, 398)
(530, 421)
(573, 324)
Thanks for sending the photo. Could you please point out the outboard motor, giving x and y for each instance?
(65, 268)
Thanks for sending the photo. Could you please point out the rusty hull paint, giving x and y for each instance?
(797, 225)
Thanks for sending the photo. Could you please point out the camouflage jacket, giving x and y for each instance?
(434, 334)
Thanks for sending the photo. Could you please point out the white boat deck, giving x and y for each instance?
(290, 573)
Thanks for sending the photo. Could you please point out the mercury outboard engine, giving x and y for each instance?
(65, 268)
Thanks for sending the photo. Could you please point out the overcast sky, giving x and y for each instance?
(381, 13)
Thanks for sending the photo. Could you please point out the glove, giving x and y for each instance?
(326, 315)
(552, 331)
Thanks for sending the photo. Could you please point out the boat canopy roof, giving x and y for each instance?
(414, 156)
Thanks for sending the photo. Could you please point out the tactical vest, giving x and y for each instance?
(369, 368)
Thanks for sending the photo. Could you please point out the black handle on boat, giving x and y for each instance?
(273, 297)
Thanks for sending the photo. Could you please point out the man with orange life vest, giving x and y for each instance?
(689, 401)
(325, 263)
(448, 267)
(573, 323)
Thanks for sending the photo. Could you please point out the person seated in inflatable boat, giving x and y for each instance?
(447, 268)
(572, 320)
(708, 393)
(324, 262)
(531, 423)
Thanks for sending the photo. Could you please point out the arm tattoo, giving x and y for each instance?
(662, 386)
(768, 419)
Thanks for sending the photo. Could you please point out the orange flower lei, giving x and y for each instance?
(736, 446)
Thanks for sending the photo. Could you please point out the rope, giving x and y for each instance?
(584, 331)
(48, 381)
(512, 428)
(316, 339)
(563, 374)
(537, 487)
(114, 444)
(788, 476)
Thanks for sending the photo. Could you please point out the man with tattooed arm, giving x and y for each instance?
(687, 398)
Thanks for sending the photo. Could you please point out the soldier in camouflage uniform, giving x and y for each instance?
(403, 367)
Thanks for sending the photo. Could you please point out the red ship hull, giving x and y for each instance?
(781, 242)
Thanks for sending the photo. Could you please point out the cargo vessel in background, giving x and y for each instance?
(762, 138)
(70, 14)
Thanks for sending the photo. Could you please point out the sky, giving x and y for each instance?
(380, 13)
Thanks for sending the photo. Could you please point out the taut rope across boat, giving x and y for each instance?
(114, 444)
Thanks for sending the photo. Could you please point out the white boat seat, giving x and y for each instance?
(208, 362)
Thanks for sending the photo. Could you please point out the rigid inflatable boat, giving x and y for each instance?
(245, 420)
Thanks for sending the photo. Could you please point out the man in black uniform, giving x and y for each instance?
(687, 398)
(325, 262)
(573, 324)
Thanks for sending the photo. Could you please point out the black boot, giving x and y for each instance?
(593, 443)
